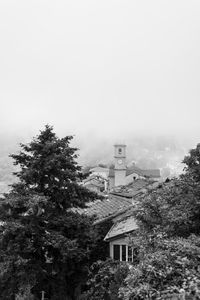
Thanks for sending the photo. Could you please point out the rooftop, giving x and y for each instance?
(132, 189)
(95, 179)
(121, 227)
(103, 209)
(119, 200)
(155, 173)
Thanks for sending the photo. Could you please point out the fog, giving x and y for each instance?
(104, 71)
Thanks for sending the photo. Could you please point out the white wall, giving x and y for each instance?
(129, 178)
(120, 177)
(121, 241)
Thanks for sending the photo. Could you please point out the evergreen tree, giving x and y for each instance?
(48, 166)
(44, 244)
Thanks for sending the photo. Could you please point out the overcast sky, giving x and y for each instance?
(100, 68)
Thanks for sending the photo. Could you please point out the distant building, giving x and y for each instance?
(100, 171)
(120, 175)
(96, 183)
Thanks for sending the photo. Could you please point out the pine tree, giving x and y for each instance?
(43, 243)
(48, 166)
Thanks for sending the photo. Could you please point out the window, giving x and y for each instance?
(123, 253)
(120, 150)
(116, 252)
(130, 253)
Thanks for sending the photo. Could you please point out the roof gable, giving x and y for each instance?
(132, 189)
(121, 227)
(146, 173)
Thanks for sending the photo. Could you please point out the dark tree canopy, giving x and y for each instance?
(173, 207)
(44, 245)
(48, 166)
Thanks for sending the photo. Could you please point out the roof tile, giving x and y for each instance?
(122, 227)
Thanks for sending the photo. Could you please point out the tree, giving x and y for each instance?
(173, 208)
(192, 162)
(105, 279)
(43, 242)
(168, 270)
(48, 166)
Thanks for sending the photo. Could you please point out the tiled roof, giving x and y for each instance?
(106, 208)
(155, 173)
(90, 178)
(134, 169)
(121, 227)
(94, 182)
(147, 173)
(131, 189)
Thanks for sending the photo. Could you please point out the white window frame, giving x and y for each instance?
(120, 251)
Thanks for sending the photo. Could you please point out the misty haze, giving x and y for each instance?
(105, 72)
(122, 78)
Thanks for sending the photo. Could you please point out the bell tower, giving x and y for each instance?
(120, 164)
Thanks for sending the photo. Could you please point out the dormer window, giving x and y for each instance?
(124, 253)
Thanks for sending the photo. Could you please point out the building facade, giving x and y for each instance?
(121, 175)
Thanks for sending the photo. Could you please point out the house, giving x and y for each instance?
(117, 237)
(100, 171)
(118, 208)
(96, 183)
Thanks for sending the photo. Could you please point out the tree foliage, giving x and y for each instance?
(106, 277)
(168, 270)
(173, 207)
(192, 163)
(43, 243)
(48, 166)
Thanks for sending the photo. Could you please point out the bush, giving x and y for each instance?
(105, 280)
